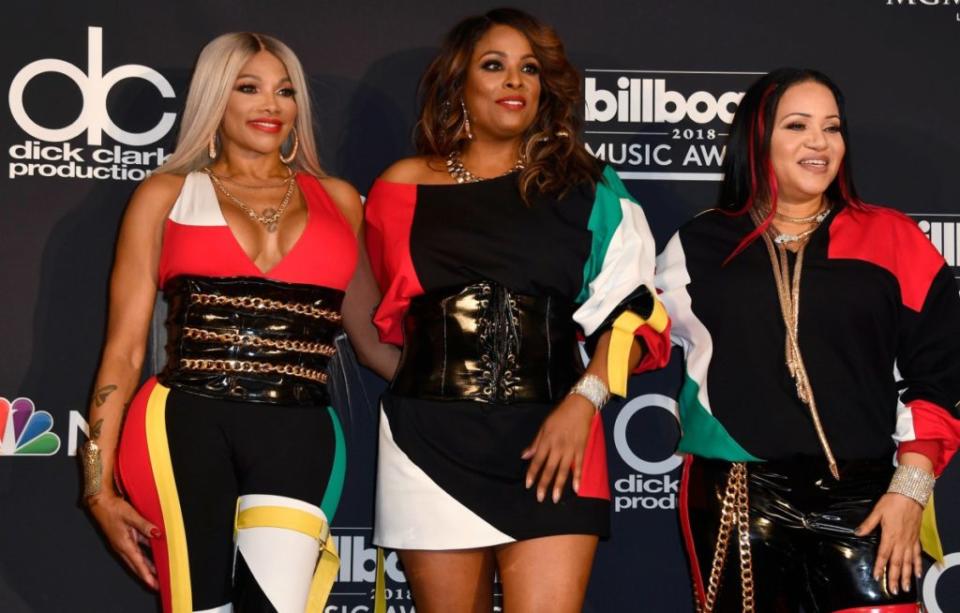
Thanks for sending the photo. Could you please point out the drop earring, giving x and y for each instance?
(466, 120)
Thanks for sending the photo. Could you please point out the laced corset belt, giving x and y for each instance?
(485, 343)
(250, 339)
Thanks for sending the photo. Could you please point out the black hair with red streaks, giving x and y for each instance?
(748, 177)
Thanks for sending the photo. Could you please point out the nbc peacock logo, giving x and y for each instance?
(24, 430)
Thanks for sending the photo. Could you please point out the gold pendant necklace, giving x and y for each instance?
(270, 218)
(461, 175)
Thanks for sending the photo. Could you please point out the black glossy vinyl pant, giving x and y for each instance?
(806, 556)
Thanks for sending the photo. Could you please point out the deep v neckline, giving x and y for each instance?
(236, 242)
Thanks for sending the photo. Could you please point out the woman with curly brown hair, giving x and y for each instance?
(493, 247)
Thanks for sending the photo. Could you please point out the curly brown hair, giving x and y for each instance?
(555, 158)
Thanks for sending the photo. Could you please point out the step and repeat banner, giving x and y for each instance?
(94, 91)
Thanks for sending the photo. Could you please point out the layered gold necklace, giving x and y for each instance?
(270, 217)
(788, 293)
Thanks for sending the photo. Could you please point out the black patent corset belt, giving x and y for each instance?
(250, 339)
(485, 343)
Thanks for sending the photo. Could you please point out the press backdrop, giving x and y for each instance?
(94, 92)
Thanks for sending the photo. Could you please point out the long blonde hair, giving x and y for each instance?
(217, 68)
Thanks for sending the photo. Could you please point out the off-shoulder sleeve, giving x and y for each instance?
(389, 215)
(617, 292)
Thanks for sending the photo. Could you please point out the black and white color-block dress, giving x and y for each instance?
(487, 296)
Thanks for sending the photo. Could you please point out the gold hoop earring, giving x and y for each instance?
(466, 120)
(286, 159)
(212, 146)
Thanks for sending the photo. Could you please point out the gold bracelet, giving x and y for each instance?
(92, 469)
(912, 482)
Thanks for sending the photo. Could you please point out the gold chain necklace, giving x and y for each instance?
(816, 219)
(270, 218)
(788, 293)
(283, 182)
(461, 175)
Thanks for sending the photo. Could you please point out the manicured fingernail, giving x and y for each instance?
(529, 483)
(556, 496)
(539, 495)
(893, 590)
(155, 533)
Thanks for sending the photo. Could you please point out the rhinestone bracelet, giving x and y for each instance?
(912, 482)
(593, 389)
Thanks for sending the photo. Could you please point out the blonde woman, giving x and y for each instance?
(231, 459)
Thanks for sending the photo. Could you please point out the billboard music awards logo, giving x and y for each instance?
(662, 125)
(354, 590)
(650, 486)
(51, 151)
(943, 230)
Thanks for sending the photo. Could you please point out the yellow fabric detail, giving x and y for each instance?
(625, 327)
(327, 568)
(929, 535)
(618, 352)
(181, 596)
(312, 525)
(380, 588)
(658, 319)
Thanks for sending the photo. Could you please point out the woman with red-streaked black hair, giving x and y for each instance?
(822, 340)
(493, 247)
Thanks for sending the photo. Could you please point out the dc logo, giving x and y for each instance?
(94, 86)
(633, 460)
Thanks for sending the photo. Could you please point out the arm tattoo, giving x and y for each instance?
(95, 430)
(100, 396)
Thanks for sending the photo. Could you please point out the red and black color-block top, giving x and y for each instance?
(591, 248)
(426, 237)
(198, 242)
(879, 328)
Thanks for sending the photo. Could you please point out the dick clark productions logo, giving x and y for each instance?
(39, 158)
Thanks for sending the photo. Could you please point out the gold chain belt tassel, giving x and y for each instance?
(734, 512)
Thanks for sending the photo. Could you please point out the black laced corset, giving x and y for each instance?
(483, 342)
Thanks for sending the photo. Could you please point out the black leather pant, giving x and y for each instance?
(806, 556)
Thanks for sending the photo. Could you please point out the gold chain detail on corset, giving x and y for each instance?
(266, 304)
(788, 292)
(235, 338)
(734, 512)
(242, 366)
